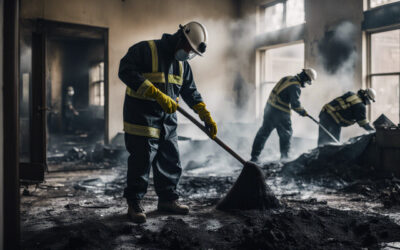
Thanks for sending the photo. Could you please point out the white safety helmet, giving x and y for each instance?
(70, 90)
(196, 34)
(371, 94)
(311, 73)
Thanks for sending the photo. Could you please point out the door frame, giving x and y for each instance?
(11, 200)
(41, 30)
(51, 27)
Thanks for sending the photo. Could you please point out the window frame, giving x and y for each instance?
(369, 5)
(261, 82)
(262, 7)
(370, 75)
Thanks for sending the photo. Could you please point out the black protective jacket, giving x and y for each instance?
(285, 96)
(347, 110)
(154, 61)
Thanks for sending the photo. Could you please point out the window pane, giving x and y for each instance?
(277, 63)
(385, 52)
(387, 97)
(273, 18)
(294, 12)
(283, 61)
(376, 3)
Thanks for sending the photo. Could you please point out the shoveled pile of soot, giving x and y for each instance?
(324, 228)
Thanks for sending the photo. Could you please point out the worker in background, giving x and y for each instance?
(345, 111)
(70, 112)
(156, 73)
(283, 98)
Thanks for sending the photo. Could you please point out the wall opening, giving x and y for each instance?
(276, 63)
(384, 74)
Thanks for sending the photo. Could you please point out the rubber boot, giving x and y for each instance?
(136, 212)
(172, 207)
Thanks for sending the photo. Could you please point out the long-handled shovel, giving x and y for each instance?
(324, 129)
(250, 190)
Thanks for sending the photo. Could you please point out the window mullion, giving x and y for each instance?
(284, 14)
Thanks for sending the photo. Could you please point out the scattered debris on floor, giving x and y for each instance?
(330, 198)
(249, 192)
(73, 210)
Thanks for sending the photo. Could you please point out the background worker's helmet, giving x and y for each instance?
(311, 73)
(367, 95)
(70, 90)
(196, 34)
(371, 94)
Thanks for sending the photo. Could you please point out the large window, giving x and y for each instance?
(96, 84)
(376, 3)
(385, 73)
(277, 63)
(279, 14)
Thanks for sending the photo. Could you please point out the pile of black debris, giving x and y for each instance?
(358, 166)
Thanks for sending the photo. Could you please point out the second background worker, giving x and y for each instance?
(284, 97)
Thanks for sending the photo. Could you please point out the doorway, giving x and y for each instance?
(64, 78)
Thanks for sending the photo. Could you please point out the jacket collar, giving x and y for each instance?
(169, 43)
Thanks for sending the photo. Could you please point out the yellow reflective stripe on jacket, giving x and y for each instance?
(130, 92)
(335, 115)
(354, 99)
(350, 101)
(285, 85)
(140, 92)
(140, 130)
(144, 87)
(274, 99)
(278, 99)
(329, 109)
(334, 110)
(342, 104)
(363, 122)
(154, 56)
(279, 107)
(156, 77)
(159, 77)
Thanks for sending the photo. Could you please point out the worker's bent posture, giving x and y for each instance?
(156, 73)
(343, 112)
(284, 97)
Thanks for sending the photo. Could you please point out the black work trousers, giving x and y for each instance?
(330, 124)
(273, 119)
(163, 156)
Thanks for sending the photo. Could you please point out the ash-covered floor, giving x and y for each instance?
(84, 209)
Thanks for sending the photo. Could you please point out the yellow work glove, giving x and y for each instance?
(205, 116)
(166, 102)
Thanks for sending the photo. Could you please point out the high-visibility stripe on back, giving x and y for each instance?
(333, 111)
(274, 99)
(154, 56)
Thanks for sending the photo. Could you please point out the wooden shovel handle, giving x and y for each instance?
(216, 139)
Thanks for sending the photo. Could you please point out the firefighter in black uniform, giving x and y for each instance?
(284, 97)
(343, 112)
(156, 73)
